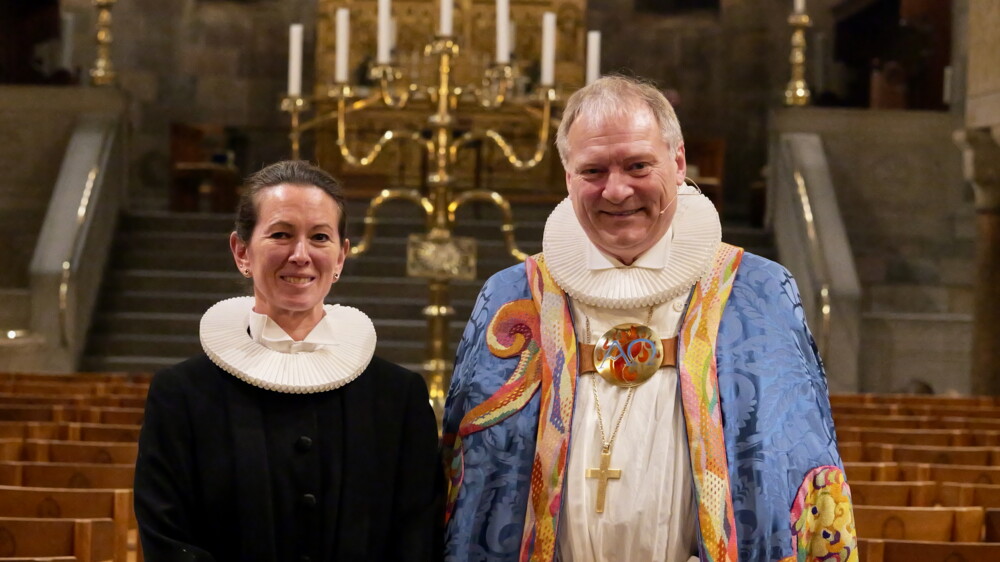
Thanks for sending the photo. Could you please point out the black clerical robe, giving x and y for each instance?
(229, 471)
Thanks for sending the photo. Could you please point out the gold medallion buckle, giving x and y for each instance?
(628, 355)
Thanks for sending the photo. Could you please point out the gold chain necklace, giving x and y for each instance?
(605, 472)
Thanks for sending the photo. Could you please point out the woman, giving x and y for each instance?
(287, 440)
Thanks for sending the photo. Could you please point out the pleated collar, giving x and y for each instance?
(225, 340)
(696, 234)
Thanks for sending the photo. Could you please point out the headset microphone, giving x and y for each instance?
(664, 210)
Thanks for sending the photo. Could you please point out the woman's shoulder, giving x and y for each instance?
(198, 371)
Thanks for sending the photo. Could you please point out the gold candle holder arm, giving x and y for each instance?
(384, 196)
(507, 228)
(375, 150)
(496, 85)
(508, 151)
(388, 76)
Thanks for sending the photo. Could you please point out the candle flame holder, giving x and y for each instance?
(436, 254)
(797, 91)
(103, 73)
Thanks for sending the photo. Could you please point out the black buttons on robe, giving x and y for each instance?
(307, 500)
(303, 444)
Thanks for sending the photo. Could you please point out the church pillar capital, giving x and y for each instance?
(981, 164)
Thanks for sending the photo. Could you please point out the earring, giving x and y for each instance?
(246, 272)
(336, 276)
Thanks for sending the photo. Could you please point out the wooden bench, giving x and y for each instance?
(89, 540)
(882, 550)
(40, 450)
(958, 524)
(69, 431)
(919, 436)
(948, 473)
(970, 456)
(964, 494)
(913, 494)
(871, 471)
(62, 503)
(66, 475)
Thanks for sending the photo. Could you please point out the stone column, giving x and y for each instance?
(981, 166)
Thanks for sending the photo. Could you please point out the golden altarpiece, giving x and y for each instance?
(483, 165)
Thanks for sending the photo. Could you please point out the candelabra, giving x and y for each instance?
(103, 73)
(436, 254)
(797, 91)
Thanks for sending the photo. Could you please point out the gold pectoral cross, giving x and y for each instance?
(603, 474)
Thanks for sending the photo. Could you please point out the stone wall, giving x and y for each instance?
(199, 62)
(983, 103)
(224, 63)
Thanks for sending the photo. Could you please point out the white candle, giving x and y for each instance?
(548, 48)
(343, 42)
(392, 35)
(295, 60)
(66, 56)
(503, 31)
(445, 26)
(384, 31)
(800, 6)
(593, 56)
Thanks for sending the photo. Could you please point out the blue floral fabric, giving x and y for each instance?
(775, 408)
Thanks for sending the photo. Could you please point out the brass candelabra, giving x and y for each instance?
(797, 91)
(436, 254)
(103, 73)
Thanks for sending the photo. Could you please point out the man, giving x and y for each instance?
(639, 390)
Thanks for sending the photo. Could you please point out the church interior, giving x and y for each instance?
(856, 142)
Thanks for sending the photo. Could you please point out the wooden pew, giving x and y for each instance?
(40, 450)
(971, 402)
(970, 456)
(68, 413)
(948, 473)
(882, 550)
(958, 494)
(872, 471)
(69, 431)
(66, 475)
(17, 501)
(913, 494)
(89, 540)
(78, 400)
(958, 524)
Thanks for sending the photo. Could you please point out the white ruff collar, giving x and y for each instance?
(226, 342)
(697, 234)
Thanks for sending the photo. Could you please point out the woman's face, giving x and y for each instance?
(294, 254)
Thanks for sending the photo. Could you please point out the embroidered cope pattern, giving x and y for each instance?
(823, 518)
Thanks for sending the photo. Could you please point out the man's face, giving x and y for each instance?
(623, 181)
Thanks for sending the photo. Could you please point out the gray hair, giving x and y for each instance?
(615, 96)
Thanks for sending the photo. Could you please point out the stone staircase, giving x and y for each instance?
(168, 268)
